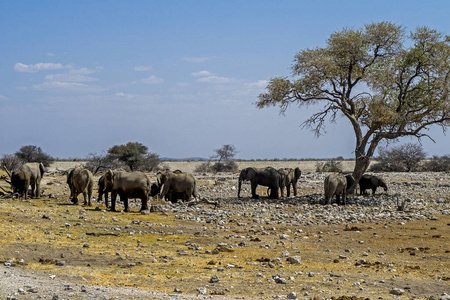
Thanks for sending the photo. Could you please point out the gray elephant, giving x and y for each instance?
(337, 185)
(20, 181)
(103, 190)
(80, 181)
(127, 185)
(371, 182)
(266, 177)
(36, 172)
(291, 177)
(176, 185)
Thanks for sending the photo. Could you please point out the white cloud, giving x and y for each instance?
(142, 68)
(202, 74)
(70, 78)
(3, 98)
(214, 79)
(259, 84)
(50, 54)
(124, 95)
(195, 59)
(152, 80)
(60, 86)
(20, 67)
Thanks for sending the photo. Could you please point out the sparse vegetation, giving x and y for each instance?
(134, 155)
(329, 166)
(32, 153)
(403, 158)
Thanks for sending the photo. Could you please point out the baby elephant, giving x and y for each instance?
(20, 181)
(337, 185)
(80, 181)
(371, 182)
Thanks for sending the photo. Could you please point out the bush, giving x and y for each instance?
(437, 164)
(33, 153)
(227, 166)
(404, 158)
(11, 162)
(203, 168)
(329, 166)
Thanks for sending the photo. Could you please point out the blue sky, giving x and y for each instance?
(181, 77)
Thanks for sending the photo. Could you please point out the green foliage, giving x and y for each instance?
(134, 155)
(31, 153)
(387, 84)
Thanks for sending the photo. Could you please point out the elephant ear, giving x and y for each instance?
(251, 173)
(109, 175)
(42, 169)
(298, 173)
(69, 175)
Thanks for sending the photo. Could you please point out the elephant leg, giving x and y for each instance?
(106, 200)
(125, 203)
(84, 198)
(294, 187)
(374, 189)
(33, 188)
(75, 196)
(113, 201)
(254, 195)
(144, 205)
(288, 190)
(274, 192)
(344, 198)
(89, 199)
(338, 199)
(38, 189)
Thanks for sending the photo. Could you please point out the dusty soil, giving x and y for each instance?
(239, 249)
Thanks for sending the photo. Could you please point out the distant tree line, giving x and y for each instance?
(135, 156)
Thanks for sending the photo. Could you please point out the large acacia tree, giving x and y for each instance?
(386, 83)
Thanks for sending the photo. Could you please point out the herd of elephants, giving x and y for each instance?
(176, 185)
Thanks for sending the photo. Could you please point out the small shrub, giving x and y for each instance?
(11, 162)
(203, 168)
(437, 164)
(228, 166)
(329, 166)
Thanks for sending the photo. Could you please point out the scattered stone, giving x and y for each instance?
(397, 291)
(214, 279)
(295, 260)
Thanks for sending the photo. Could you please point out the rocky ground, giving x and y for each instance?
(391, 245)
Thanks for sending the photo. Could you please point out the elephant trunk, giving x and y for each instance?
(239, 188)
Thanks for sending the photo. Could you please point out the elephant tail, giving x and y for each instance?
(239, 188)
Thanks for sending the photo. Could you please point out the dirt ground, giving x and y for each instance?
(241, 249)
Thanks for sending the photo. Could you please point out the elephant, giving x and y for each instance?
(291, 177)
(371, 182)
(80, 181)
(269, 177)
(337, 185)
(175, 185)
(20, 181)
(127, 185)
(36, 172)
(104, 191)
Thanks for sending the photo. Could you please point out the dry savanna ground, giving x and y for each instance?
(260, 250)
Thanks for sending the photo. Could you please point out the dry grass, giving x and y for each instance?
(161, 252)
